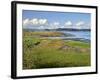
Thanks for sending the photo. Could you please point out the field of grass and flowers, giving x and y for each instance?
(41, 52)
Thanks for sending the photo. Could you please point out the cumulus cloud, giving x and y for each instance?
(26, 22)
(68, 23)
(80, 23)
(62, 27)
(42, 23)
(35, 22)
(54, 25)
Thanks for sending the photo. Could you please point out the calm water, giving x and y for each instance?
(79, 34)
(75, 35)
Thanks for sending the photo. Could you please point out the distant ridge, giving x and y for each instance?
(59, 29)
(70, 29)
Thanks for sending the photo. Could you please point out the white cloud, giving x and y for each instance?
(68, 23)
(80, 23)
(54, 25)
(62, 27)
(35, 22)
(25, 22)
(41, 27)
(42, 21)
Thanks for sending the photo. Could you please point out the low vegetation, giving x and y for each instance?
(39, 52)
(43, 34)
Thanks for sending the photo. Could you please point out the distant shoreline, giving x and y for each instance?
(59, 29)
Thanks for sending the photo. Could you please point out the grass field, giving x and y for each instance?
(40, 52)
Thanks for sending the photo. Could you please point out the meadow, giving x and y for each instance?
(41, 52)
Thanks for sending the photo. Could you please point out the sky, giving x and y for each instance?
(53, 20)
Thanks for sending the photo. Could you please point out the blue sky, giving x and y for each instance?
(46, 19)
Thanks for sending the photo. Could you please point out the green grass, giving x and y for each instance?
(54, 53)
(79, 44)
(43, 34)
